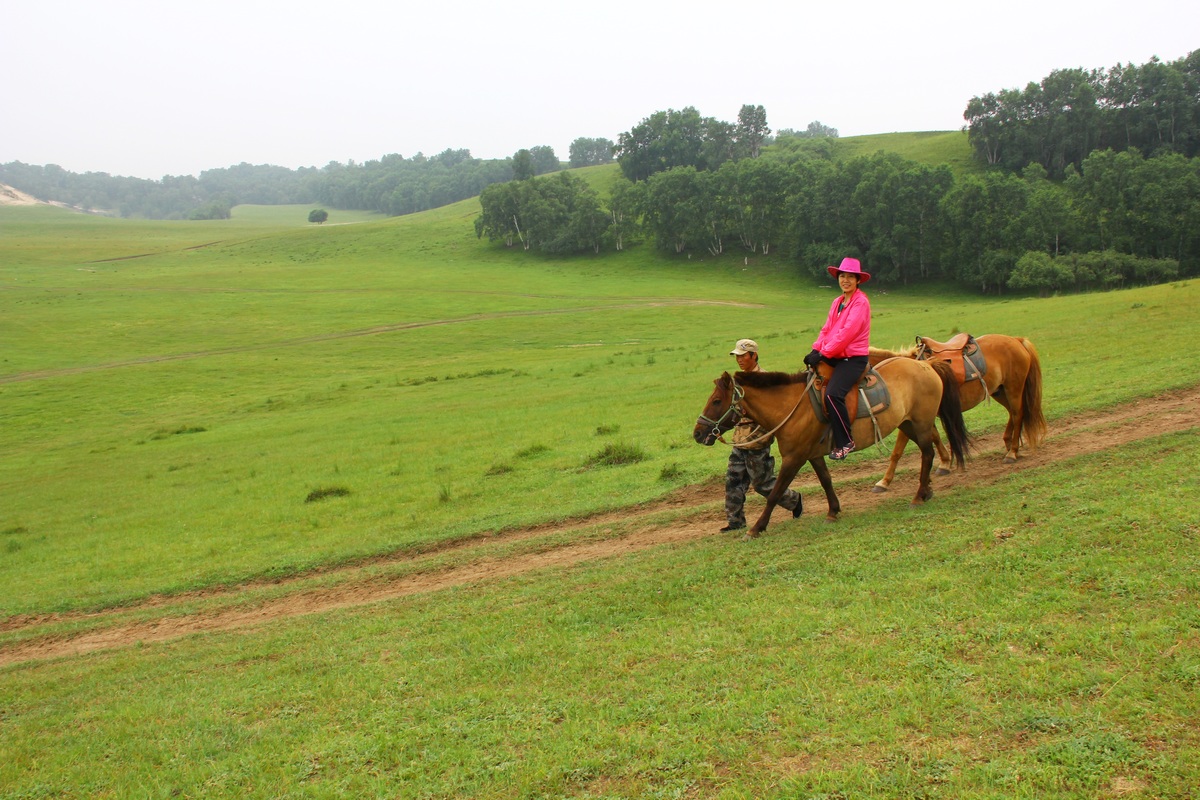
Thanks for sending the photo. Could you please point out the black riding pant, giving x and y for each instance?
(846, 373)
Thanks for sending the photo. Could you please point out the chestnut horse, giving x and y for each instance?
(1013, 379)
(920, 392)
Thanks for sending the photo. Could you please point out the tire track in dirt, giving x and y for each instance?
(328, 337)
(1143, 419)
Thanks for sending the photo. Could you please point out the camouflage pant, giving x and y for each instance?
(751, 468)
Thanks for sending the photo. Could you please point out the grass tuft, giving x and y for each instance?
(321, 494)
(163, 433)
(615, 455)
(671, 472)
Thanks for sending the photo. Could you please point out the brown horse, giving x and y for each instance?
(920, 393)
(1013, 379)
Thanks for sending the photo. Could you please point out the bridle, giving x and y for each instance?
(715, 424)
(734, 408)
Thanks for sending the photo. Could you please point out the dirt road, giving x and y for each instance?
(643, 528)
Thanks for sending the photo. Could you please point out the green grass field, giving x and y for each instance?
(196, 405)
(928, 147)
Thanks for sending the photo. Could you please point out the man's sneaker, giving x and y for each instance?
(842, 452)
(729, 528)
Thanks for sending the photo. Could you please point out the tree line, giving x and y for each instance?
(1120, 218)
(1057, 122)
(391, 185)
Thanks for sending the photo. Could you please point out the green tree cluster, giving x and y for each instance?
(557, 214)
(1070, 113)
(669, 139)
(1122, 219)
(815, 130)
(585, 152)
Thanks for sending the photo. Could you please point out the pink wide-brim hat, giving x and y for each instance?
(851, 266)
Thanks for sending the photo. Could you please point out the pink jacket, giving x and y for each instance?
(846, 334)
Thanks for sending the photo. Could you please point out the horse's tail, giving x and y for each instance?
(1033, 421)
(950, 412)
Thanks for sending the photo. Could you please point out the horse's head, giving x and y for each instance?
(720, 413)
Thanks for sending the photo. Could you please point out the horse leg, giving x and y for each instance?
(943, 453)
(924, 486)
(898, 450)
(822, 469)
(787, 471)
(1011, 430)
(1016, 420)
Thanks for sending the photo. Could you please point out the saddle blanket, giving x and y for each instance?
(871, 394)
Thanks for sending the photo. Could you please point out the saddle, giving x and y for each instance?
(870, 389)
(962, 353)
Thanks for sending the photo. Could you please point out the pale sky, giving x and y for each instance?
(149, 88)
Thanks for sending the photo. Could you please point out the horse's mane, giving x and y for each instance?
(767, 380)
(877, 354)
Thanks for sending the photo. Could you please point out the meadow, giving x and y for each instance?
(193, 406)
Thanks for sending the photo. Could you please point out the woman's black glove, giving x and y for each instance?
(812, 359)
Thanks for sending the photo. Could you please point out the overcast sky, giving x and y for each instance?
(154, 87)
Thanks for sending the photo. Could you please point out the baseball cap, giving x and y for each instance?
(744, 346)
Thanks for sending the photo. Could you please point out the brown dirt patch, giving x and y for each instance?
(1172, 412)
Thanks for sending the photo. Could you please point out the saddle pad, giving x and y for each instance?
(872, 389)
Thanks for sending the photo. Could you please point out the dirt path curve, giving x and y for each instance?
(1172, 412)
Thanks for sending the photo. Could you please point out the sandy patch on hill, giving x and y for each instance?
(15, 197)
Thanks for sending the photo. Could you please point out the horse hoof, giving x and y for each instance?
(1010, 460)
(943, 471)
(751, 536)
(831, 518)
(879, 488)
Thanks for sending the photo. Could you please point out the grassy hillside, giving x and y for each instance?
(164, 407)
(928, 147)
(190, 405)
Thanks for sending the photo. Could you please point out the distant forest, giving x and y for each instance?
(1085, 180)
(391, 185)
